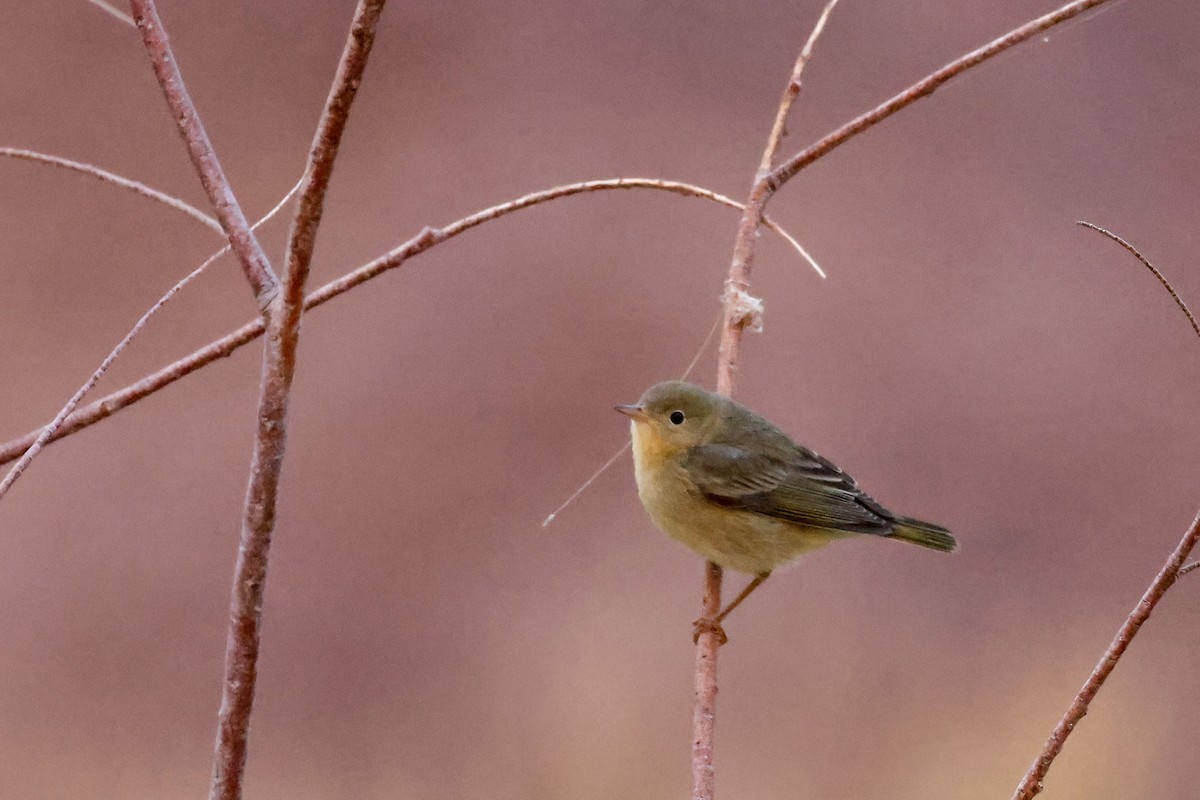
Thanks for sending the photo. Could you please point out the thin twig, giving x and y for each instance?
(114, 11)
(1153, 269)
(118, 180)
(279, 367)
(225, 346)
(1186, 568)
(716, 326)
(790, 93)
(628, 442)
(1031, 784)
(612, 459)
(606, 184)
(245, 245)
(48, 432)
(735, 299)
(923, 88)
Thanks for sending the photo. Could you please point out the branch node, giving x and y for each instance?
(427, 237)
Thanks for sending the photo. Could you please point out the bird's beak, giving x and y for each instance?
(636, 413)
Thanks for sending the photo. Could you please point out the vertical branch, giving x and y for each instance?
(279, 366)
(742, 310)
(323, 151)
(739, 312)
(243, 241)
(779, 129)
(704, 712)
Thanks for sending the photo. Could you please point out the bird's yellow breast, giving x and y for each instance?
(742, 540)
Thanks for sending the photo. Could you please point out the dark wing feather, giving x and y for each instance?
(797, 486)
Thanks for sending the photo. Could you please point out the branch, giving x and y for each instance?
(117, 180)
(279, 368)
(225, 346)
(924, 88)
(1153, 269)
(735, 299)
(245, 245)
(1031, 784)
(790, 93)
(1186, 568)
(47, 433)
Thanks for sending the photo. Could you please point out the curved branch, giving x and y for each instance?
(117, 180)
(1031, 784)
(923, 88)
(1153, 269)
(225, 346)
(48, 433)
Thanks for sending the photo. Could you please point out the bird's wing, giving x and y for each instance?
(800, 487)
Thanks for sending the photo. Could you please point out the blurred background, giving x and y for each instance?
(974, 358)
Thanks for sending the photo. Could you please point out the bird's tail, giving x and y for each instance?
(925, 534)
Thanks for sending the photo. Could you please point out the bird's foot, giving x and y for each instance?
(707, 625)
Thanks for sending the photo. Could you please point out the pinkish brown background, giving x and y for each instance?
(974, 358)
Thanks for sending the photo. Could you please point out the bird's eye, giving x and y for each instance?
(677, 418)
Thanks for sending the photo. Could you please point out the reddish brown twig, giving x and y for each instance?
(1162, 279)
(279, 366)
(1031, 784)
(736, 317)
(117, 180)
(923, 88)
(243, 241)
(107, 406)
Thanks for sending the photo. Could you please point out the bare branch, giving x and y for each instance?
(791, 92)
(704, 686)
(225, 346)
(47, 433)
(245, 245)
(1186, 568)
(924, 88)
(117, 180)
(1031, 784)
(302, 236)
(1154, 270)
(279, 368)
(735, 298)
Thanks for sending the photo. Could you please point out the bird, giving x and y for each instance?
(737, 490)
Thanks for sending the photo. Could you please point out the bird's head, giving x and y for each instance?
(673, 416)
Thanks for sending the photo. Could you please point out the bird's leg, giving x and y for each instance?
(750, 587)
(714, 625)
